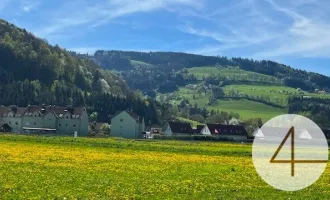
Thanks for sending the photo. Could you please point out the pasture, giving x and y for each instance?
(245, 108)
(231, 73)
(36, 167)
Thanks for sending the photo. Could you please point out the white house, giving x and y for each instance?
(178, 129)
(127, 125)
(226, 132)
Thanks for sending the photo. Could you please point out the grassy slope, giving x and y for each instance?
(231, 72)
(125, 169)
(275, 93)
(247, 109)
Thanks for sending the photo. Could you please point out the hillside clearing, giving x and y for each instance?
(247, 109)
(233, 73)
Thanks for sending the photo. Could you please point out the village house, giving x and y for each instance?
(178, 129)
(127, 125)
(46, 119)
(225, 132)
(198, 129)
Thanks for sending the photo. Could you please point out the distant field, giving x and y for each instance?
(82, 168)
(277, 94)
(140, 63)
(231, 73)
(247, 109)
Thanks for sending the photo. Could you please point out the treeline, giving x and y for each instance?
(317, 109)
(168, 61)
(201, 115)
(104, 104)
(107, 105)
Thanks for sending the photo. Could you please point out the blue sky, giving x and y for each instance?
(293, 32)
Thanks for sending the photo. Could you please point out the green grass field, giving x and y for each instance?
(245, 108)
(230, 72)
(248, 109)
(276, 94)
(66, 168)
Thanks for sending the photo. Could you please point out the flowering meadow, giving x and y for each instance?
(40, 167)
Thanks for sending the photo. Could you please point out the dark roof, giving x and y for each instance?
(199, 128)
(227, 129)
(43, 110)
(180, 127)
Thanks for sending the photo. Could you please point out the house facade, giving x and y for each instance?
(178, 129)
(55, 119)
(127, 125)
(225, 132)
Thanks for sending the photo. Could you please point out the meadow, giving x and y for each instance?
(37, 167)
(245, 108)
(232, 73)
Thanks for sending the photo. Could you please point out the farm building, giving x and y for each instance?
(127, 125)
(178, 129)
(225, 132)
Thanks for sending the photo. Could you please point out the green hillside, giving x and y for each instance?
(198, 87)
(245, 108)
(231, 73)
(32, 72)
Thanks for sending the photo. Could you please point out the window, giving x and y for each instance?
(74, 125)
(121, 120)
(59, 124)
(16, 123)
(50, 119)
(9, 122)
(35, 115)
(66, 125)
(67, 117)
(35, 123)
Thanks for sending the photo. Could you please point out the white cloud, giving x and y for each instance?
(266, 29)
(96, 13)
(28, 6)
(306, 37)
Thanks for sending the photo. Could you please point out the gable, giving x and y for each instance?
(123, 116)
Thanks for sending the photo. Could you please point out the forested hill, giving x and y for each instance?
(168, 61)
(45, 68)
(34, 72)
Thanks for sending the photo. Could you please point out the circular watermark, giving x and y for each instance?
(290, 152)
